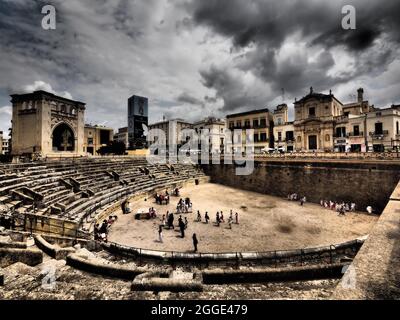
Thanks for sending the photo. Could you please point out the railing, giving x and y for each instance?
(332, 155)
(352, 134)
(379, 134)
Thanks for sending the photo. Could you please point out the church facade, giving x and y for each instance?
(44, 124)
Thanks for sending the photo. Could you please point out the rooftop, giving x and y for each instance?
(265, 110)
(41, 95)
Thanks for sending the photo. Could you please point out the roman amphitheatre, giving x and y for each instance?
(278, 249)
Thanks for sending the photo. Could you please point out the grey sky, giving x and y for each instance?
(197, 58)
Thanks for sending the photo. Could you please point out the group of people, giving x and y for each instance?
(162, 198)
(219, 218)
(296, 197)
(340, 207)
(184, 206)
(101, 232)
(167, 221)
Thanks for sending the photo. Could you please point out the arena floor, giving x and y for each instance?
(265, 223)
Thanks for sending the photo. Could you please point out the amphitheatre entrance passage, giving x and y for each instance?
(266, 223)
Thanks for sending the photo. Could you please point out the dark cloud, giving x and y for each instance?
(185, 97)
(263, 27)
(219, 55)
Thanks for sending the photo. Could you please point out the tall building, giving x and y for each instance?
(138, 115)
(46, 124)
(261, 121)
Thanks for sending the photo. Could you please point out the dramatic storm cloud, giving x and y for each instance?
(197, 58)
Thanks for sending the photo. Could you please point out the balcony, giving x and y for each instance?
(379, 135)
(358, 134)
(343, 136)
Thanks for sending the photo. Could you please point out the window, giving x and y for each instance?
(256, 137)
(280, 122)
(90, 141)
(289, 136)
(378, 128)
(239, 124)
(231, 124)
(311, 112)
(255, 123)
(279, 136)
(299, 139)
(263, 123)
(341, 132)
(263, 137)
(247, 123)
(356, 131)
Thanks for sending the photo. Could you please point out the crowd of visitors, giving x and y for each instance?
(184, 206)
(340, 207)
(296, 197)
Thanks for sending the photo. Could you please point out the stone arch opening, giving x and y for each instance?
(63, 138)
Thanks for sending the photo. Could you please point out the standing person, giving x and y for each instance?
(231, 215)
(186, 223)
(206, 217)
(171, 221)
(230, 222)
(217, 219)
(237, 218)
(198, 216)
(160, 234)
(195, 242)
(222, 217)
(163, 220)
(182, 227)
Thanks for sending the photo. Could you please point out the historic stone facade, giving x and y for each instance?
(314, 124)
(47, 125)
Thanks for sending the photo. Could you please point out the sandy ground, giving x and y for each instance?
(265, 223)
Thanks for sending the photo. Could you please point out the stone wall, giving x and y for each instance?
(31, 257)
(375, 273)
(364, 183)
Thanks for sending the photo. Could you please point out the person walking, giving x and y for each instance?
(198, 216)
(207, 217)
(195, 242)
(160, 234)
(186, 223)
(237, 218)
(230, 219)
